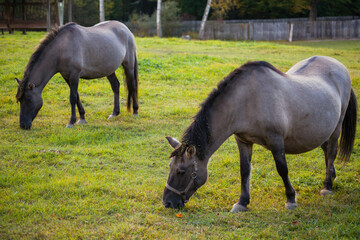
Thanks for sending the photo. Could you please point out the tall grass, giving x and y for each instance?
(105, 179)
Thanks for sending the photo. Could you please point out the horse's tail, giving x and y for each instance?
(348, 129)
(132, 81)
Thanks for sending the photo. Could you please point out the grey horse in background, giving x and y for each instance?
(80, 52)
(309, 106)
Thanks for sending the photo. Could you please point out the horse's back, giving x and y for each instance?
(119, 29)
(325, 73)
(99, 50)
(325, 69)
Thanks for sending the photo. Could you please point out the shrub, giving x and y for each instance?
(144, 25)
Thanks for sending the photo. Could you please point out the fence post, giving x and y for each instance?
(291, 32)
(251, 28)
(48, 16)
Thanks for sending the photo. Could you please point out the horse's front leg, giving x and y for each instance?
(245, 169)
(278, 152)
(73, 83)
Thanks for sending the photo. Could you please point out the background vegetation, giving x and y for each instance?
(106, 179)
(123, 10)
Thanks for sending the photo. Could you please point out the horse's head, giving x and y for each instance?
(30, 103)
(187, 174)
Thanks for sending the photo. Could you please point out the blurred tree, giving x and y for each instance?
(170, 15)
(86, 12)
(158, 19)
(338, 8)
(101, 10)
(222, 8)
(122, 9)
(204, 19)
(191, 10)
(262, 9)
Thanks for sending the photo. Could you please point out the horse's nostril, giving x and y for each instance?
(167, 204)
(180, 205)
(25, 126)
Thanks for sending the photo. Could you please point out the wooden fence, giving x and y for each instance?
(279, 29)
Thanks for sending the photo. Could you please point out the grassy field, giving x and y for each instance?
(105, 179)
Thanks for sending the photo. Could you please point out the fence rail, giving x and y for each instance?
(284, 29)
(278, 29)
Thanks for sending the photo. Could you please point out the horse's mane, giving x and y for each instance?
(198, 133)
(37, 55)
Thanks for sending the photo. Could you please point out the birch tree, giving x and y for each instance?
(102, 10)
(204, 19)
(158, 19)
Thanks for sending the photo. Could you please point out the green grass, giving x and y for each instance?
(105, 180)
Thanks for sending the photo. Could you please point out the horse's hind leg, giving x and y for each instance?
(115, 85)
(130, 70)
(330, 149)
(245, 169)
(81, 111)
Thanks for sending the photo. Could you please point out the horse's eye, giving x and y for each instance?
(180, 171)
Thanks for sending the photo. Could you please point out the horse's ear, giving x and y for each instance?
(190, 151)
(31, 86)
(18, 81)
(173, 142)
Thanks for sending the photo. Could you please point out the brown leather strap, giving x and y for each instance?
(183, 193)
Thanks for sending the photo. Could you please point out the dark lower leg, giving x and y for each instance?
(73, 100)
(281, 166)
(330, 151)
(132, 87)
(115, 85)
(80, 108)
(245, 170)
(73, 83)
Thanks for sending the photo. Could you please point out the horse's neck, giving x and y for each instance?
(220, 130)
(43, 71)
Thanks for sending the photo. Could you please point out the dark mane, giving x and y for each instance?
(198, 133)
(37, 55)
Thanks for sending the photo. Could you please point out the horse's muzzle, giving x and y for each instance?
(174, 204)
(172, 200)
(25, 126)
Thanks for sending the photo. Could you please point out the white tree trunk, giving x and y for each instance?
(158, 19)
(102, 10)
(204, 19)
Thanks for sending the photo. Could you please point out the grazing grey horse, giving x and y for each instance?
(307, 107)
(80, 52)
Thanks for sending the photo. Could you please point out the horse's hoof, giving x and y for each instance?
(69, 125)
(111, 116)
(135, 114)
(238, 208)
(325, 192)
(290, 206)
(81, 121)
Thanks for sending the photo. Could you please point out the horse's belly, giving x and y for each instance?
(304, 140)
(296, 147)
(93, 72)
(102, 63)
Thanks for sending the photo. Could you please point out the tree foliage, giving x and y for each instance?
(268, 9)
(86, 12)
